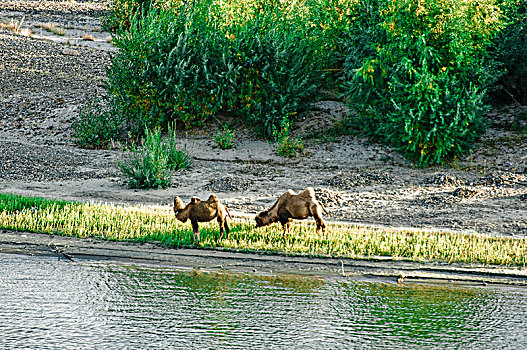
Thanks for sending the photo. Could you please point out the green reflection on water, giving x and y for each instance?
(427, 311)
(301, 311)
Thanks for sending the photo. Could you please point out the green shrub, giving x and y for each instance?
(223, 138)
(121, 11)
(509, 54)
(96, 126)
(190, 62)
(287, 146)
(414, 73)
(131, 85)
(152, 165)
(280, 74)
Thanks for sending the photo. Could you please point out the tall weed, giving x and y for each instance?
(152, 164)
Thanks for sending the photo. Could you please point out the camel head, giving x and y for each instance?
(178, 205)
(262, 219)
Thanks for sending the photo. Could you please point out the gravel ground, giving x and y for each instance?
(27, 162)
(38, 80)
(45, 79)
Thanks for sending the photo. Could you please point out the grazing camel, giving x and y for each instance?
(202, 211)
(293, 206)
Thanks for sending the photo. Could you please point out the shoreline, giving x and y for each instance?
(386, 269)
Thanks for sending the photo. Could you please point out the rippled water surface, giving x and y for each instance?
(50, 304)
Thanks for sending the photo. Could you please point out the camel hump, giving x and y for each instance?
(213, 198)
(308, 193)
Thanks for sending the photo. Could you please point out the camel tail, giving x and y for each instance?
(227, 210)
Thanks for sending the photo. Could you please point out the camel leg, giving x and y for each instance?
(220, 222)
(195, 228)
(286, 224)
(226, 229)
(316, 211)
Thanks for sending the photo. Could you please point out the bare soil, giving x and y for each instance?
(45, 78)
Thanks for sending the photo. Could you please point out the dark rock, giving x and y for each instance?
(442, 179)
(462, 192)
(357, 179)
(328, 198)
(502, 179)
(228, 184)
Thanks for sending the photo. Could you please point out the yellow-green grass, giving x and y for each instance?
(143, 224)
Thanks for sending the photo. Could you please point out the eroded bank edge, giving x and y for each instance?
(72, 249)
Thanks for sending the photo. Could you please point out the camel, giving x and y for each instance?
(202, 211)
(294, 206)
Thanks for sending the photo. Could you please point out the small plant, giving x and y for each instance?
(177, 159)
(287, 146)
(52, 27)
(223, 138)
(152, 165)
(290, 148)
(97, 126)
(16, 27)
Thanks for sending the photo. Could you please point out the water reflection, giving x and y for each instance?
(51, 304)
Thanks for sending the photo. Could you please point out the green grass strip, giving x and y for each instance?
(142, 224)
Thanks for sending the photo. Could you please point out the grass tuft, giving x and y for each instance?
(153, 164)
(52, 27)
(88, 37)
(16, 27)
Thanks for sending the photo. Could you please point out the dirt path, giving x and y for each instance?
(45, 78)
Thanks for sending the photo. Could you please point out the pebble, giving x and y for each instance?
(70, 52)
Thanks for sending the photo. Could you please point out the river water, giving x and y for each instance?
(51, 304)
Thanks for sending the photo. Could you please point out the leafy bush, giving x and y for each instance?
(414, 72)
(188, 62)
(153, 164)
(96, 126)
(287, 146)
(223, 138)
(509, 54)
